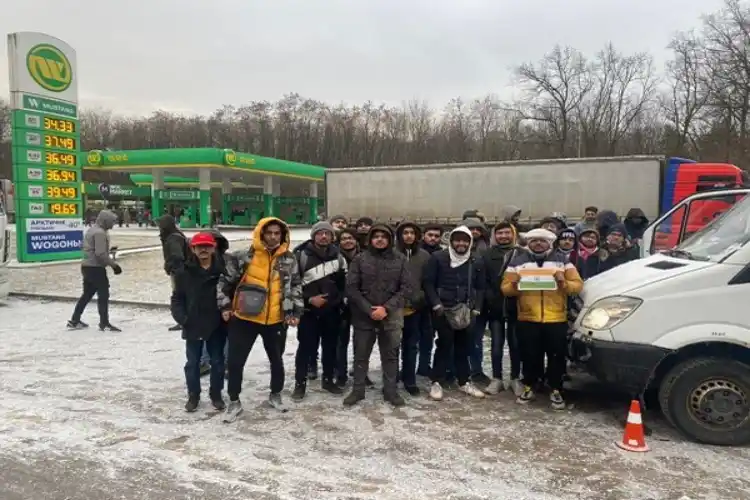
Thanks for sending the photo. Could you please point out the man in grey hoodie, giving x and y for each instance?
(96, 259)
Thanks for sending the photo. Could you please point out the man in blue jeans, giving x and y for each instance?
(408, 235)
(194, 308)
(502, 311)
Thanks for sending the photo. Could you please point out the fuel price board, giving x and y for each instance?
(46, 148)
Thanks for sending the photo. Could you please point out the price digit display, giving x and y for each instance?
(61, 192)
(59, 125)
(59, 142)
(53, 158)
(59, 175)
(62, 208)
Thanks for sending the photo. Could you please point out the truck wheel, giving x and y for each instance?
(708, 400)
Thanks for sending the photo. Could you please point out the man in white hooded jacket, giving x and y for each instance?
(453, 285)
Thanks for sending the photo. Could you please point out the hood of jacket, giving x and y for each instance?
(459, 259)
(509, 211)
(286, 239)
(381, 227)
(106, 220)
(222, 244)
(636, 217)
(400, 232)
(604, 220)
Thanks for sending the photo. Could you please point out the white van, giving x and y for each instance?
(676, 325)
(4, 253)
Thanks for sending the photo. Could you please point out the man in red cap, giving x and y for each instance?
(195, 309)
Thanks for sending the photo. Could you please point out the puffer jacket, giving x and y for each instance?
(542, 306)
(323, 273)
(277, 272)
(416, 258)
(378, 278)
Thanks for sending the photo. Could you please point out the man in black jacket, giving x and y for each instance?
(175, 249)
(502, 311)
(323, 270)
(430, 244)
(408, 235)
(376, 286)
(453, 284)
(194, 308)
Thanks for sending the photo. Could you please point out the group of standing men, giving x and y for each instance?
(396, 287)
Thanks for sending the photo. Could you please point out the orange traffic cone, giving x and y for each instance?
(634, 438)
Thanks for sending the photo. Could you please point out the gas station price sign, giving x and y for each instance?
(46, 145)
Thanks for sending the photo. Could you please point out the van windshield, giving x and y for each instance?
(721, 238)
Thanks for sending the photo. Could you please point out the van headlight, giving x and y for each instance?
(606, 313)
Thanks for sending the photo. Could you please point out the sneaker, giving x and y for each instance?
(175, 328)
(205, 369)
(109, 327)
(516, 386)
(413, 390)
(328, 385)
(527, 395)
(495, 386)
(274, 399)
(341, 381)
(556, 400)
(76, 325)
(299, 391)
(470, 389)
(234, 410)
(395, 399)
(481, 379)
(192, 403)
(218, 402)
(353, 398)
(436, 391)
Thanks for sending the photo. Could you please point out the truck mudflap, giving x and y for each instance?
(627, 365)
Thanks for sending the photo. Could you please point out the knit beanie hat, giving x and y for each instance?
(321, 226)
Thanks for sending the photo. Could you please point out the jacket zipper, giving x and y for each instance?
(268, 299)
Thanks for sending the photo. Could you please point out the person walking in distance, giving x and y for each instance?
(194, 307)
(454, 284)
(408, 237)
(542, 278)
(376, 285)
(260, 291)
(96, 259)
(323, 270)
(174, 248)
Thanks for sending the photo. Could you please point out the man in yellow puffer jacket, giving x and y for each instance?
(259, 293)
(542, 278)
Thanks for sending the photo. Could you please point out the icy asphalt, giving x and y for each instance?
(92, 416)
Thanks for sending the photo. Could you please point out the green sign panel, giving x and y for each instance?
(243, 198)
(175, 195)
(46, 145)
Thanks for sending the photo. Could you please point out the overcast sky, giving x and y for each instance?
(135, 56)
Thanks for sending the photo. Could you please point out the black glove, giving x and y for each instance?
(116, 268)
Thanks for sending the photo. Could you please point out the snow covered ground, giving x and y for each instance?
(92, 416)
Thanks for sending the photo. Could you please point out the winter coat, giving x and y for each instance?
(542, 306)
(604, 221)
(604, 260)
(480, 245)
(495, 260)
(635, 223)
(174, 245)
(96, 241)
(416, 259)
(449, 286)
(378, 278)
(323, 272)
(277, 272)
(193, 302)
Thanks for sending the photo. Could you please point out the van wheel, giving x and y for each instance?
(708, 400)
